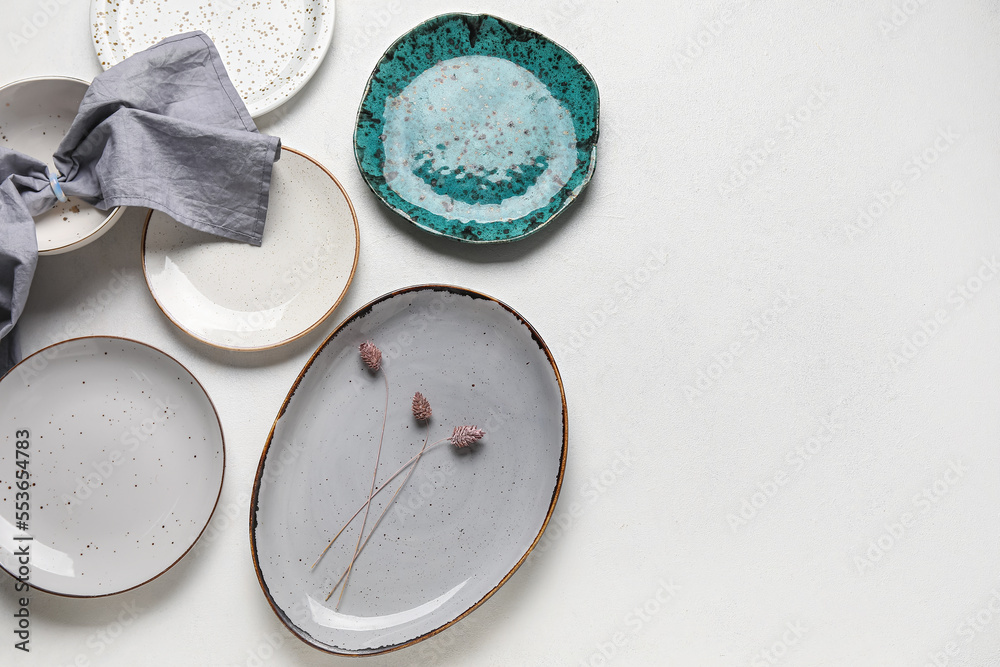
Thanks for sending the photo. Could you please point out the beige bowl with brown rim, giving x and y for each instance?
(35, 115)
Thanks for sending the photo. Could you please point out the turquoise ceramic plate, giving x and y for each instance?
(478, 129)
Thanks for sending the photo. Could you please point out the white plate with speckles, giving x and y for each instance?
(271, 48)
(35, 115)
(465, 520)
(238, 297)
(119, 455)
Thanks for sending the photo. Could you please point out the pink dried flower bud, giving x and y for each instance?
(464, 436)
(421, 407)
(371, 355)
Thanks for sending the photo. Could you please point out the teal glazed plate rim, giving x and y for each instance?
(477, 129)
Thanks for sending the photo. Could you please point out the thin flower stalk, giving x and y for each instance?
(422, 412)
(381, 516)
(461, 438)
(384, 484)
(379, 490)
(372, 357)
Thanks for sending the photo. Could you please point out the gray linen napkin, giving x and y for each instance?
(163, 129)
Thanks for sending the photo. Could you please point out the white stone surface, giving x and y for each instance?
(642, 286)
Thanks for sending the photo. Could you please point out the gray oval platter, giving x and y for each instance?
(465, 520)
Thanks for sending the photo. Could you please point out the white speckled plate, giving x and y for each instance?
(238, 297)
(271, 48)
(35, 115)
(466, 519)
(124, 453)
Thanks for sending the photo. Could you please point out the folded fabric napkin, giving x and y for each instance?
(164, 129)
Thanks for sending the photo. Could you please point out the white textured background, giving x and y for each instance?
(658, 475)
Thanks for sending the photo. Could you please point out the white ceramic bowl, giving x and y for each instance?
(35, 114)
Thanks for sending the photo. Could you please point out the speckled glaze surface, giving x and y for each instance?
(271, 48)
(466, 519)
(236, 296)
(35, 114)
(478, 129)
(126, 460)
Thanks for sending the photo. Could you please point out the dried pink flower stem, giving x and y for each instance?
(377, 491)
(416, 459)
(462, 437)
(372, 356)
(456, 441)
(421, 408)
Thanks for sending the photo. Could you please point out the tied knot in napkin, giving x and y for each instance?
(164, 129)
